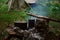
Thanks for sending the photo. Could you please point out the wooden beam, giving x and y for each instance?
(43, 17)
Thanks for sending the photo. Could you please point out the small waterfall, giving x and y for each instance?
(38, 8)
(34, 34)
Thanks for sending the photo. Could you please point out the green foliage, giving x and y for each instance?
(54, 9)
(54, 12)
(3, 1)
(7, 17)
(3, 8)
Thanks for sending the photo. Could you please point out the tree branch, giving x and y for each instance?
(43, 17)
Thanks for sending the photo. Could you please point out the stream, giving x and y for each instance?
(39, 8)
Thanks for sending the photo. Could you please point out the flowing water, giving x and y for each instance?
(39, 8)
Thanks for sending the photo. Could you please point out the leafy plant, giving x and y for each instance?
(54, 12)
(8, 17)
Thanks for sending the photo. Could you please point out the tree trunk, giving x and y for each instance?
(16, 4)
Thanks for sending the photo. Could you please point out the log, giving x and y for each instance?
(43, 17)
